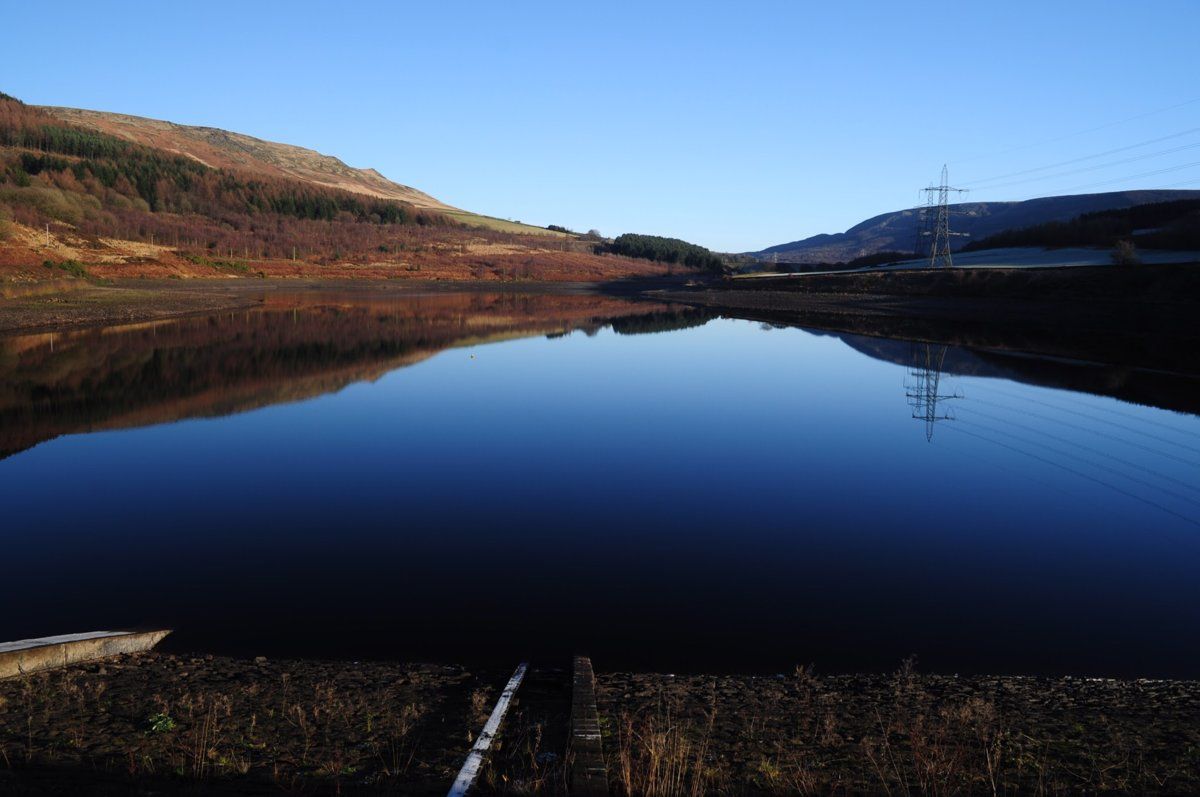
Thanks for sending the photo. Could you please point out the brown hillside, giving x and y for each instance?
(223, 149)
(87, 196)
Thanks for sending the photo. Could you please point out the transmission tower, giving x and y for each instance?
(933, 223)
(922, 393)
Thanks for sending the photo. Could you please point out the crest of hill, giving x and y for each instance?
(897, 231)
(223, 149)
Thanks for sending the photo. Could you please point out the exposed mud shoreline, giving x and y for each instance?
(198, 724)
(75, 304)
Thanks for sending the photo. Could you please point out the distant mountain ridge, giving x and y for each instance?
(897, 231)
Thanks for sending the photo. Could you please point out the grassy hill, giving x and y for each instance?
(103, 195)
(224, 149)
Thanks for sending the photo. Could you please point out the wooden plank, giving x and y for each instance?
(475, 758)
(589, 777)
(44, 653)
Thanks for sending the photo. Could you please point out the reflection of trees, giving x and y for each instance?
(292, 347)
(925, 376)
(661, 321)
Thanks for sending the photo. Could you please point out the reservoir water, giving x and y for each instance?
(479, 477)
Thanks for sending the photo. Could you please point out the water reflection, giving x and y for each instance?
(1120, 451)
(923, 392)
(295, 346)
(669, 491)
(1104, 445)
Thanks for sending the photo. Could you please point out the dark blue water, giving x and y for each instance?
(721, 497)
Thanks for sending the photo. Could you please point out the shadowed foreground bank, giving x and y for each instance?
(180, 724)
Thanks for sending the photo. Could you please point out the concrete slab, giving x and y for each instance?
(45, 653)
(589, 777)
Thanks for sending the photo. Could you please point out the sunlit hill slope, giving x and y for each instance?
(86, 195)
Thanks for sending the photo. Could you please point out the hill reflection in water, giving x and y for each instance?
(295, 346)
(721, 496)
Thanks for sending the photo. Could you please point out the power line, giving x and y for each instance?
(1084, 158)
(1104, 126)
(1126, 427)
(1134, 176)
(1072, 399)
(1114, 471)
(1142, 468)
(973, 456)
(1108, 165)
(1090, 430)
(1080, 474)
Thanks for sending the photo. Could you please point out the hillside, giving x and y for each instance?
(1158, 225)
(223, 149)
(897, 231)
(86, 195)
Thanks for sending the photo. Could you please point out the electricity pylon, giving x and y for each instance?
(922, 393)
(933, 223)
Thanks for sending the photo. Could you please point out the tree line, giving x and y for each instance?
(663, 250)
(1155, 225)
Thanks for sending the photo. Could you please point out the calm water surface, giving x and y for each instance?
(478, 478)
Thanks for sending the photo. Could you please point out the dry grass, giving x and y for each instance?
(904, 734)
(316, 728)
(661, 752)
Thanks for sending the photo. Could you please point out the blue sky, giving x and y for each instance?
(735, 125)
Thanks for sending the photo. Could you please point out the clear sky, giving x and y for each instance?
(734, 125)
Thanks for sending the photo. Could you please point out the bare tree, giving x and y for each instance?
(1126, 254)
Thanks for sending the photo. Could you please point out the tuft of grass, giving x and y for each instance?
(219, 264)
(72, 267)
(664, 756)
(161, 723)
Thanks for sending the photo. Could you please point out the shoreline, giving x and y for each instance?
(48, 307)
(179, 722)
(1146, 318)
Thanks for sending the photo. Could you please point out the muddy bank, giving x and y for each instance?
(86, 305)
(200, 724)
(65, 305)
